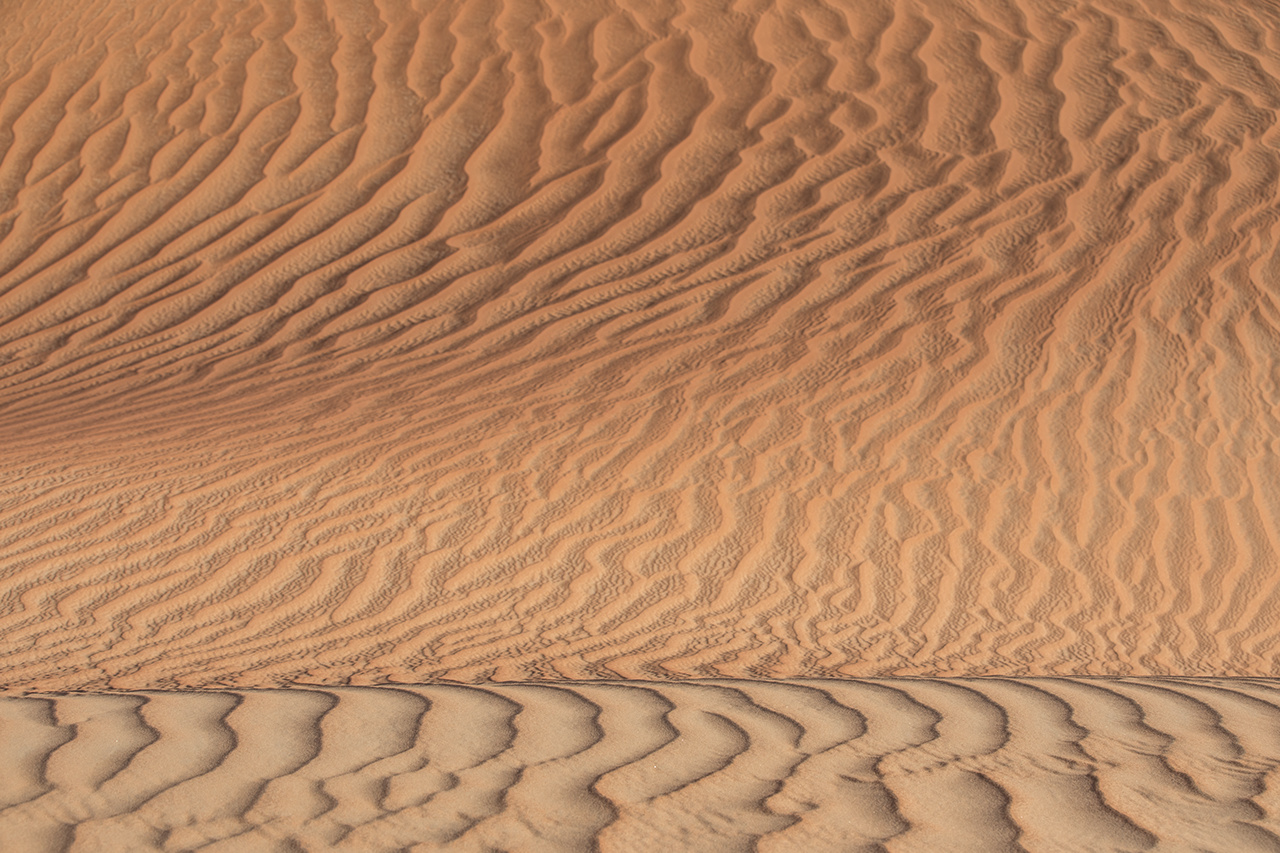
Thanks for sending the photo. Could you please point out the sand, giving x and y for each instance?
(981, 765)
(373, 342)
(391, 342)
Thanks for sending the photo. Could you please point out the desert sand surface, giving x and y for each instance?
(356, 342)
(857, 766)
(557, 425)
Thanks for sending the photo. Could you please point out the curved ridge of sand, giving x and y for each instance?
(888, 765)
(395, 341)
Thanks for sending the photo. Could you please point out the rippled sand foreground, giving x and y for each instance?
(980, 765)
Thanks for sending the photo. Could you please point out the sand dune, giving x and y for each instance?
(853, 765)
(378, 340)
(533, 425)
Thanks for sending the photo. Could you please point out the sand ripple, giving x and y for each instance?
(857, 765)
(366, 341)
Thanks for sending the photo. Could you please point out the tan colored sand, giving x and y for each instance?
(363, 341)
(979, 765)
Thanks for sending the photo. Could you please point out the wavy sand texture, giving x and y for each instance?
(983, 765)
(382, 340)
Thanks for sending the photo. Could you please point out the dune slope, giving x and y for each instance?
(368, 341)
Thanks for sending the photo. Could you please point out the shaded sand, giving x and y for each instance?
(367, 341)
(981, 765)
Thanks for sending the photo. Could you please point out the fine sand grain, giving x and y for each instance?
(385, 341)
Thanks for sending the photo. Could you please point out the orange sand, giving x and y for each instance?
(390, 341)
(595, 351)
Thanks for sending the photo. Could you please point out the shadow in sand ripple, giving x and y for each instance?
(888, 764)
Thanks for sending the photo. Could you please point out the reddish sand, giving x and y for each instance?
(534, 343)
(383, 341)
